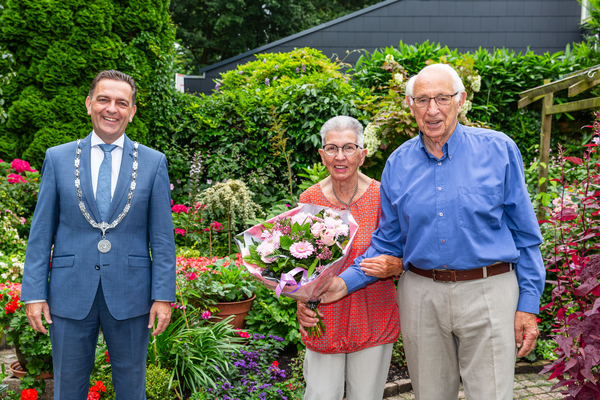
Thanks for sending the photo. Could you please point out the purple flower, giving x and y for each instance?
(264, 60)
(276, 66)
(240, 72)
(217, 86)
(275, 78)
(297, 70)
(267, 81)
(303, 68)
(172, 186)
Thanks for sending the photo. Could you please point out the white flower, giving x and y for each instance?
(342, 230)
(4, 275)
(466, 107)
(371, 139)
(476, 83)
(398, 78)
(389, 59)
(265, 249)
(299, 218)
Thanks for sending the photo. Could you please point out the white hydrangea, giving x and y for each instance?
(398, 78)
(466, 107)
(371, 139)
(475, 82)
(389, 59)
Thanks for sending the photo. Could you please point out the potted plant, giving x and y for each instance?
(216, 284)
(34, 350)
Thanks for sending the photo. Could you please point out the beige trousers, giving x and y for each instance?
(459, 329)
(364, 373)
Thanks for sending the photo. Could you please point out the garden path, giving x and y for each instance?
(528, 386)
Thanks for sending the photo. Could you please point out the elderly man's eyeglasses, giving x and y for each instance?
(348, 149)
(441, 100)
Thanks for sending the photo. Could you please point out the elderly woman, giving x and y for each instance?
(360, 329)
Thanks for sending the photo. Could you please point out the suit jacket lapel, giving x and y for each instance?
(85, 171)
(124, 180)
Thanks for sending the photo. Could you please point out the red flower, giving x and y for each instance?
(243, 334)
(107, 358)
(180, 231)
(216, 226)
(179, 208)
(21, 166)
(98, 387)
(93, 396)
(15, 178)
(275, 364)
(29, 394)
(538, 320)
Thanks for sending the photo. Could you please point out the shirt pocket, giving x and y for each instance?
(480, 207)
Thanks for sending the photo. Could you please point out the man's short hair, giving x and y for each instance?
(342, 123)
(115, 76)
(457, 84)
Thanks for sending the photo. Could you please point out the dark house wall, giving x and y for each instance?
(466, 25)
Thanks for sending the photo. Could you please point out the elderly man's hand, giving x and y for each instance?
(34, 313)
(335, 291)
(382, 266)
(162, 311)
(526, 332)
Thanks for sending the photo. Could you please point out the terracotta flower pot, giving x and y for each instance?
(19, 372)
(238, 308)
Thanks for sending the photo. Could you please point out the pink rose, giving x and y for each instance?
(328, 237)
(317, 228)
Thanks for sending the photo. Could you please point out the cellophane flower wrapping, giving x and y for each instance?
(303, 288)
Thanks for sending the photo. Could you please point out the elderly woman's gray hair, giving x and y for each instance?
(343, 123)
(457, 84)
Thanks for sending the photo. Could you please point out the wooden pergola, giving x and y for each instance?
(576, 83)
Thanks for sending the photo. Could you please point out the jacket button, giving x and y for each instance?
(97, 267)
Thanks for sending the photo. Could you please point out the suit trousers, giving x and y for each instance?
(74, 348)
(364, 372)
(459, 329)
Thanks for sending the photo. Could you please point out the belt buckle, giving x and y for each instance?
(452, 275)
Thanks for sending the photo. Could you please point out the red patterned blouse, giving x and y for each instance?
(368, 317)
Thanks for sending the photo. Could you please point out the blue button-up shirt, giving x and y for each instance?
(466, 210)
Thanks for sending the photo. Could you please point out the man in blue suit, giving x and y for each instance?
(104, 204)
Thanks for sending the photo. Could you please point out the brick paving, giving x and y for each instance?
(530, 386)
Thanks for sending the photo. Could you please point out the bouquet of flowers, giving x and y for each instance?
(310, 242)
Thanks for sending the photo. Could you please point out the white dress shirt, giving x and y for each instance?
(97, 156)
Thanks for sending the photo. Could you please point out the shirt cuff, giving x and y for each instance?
(528, 303)
(356, 279)
(34, 301)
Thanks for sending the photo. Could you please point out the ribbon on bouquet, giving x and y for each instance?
(288, 278)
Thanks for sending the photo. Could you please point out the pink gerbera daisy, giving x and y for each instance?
(301, 249)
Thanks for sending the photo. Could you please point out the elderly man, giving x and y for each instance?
(455, 206)
(104, 204)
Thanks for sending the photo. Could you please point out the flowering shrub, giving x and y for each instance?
(575, 262)
(34, 349)
(255, 373)
(205, 281)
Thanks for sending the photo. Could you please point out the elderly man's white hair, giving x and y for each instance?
(342, 123)
(457, 84)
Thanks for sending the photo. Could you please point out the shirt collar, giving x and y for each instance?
(97, 141)
(449, 147)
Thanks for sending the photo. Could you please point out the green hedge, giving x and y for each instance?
(58, 47)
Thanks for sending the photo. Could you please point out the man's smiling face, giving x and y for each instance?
(111, 109)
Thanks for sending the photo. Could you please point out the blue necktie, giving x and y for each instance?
(103, 195)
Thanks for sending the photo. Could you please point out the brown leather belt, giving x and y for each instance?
(455, 275)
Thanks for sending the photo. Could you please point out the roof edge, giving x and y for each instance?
(298, 35)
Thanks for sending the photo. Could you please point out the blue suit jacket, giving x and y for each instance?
(131, 278)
